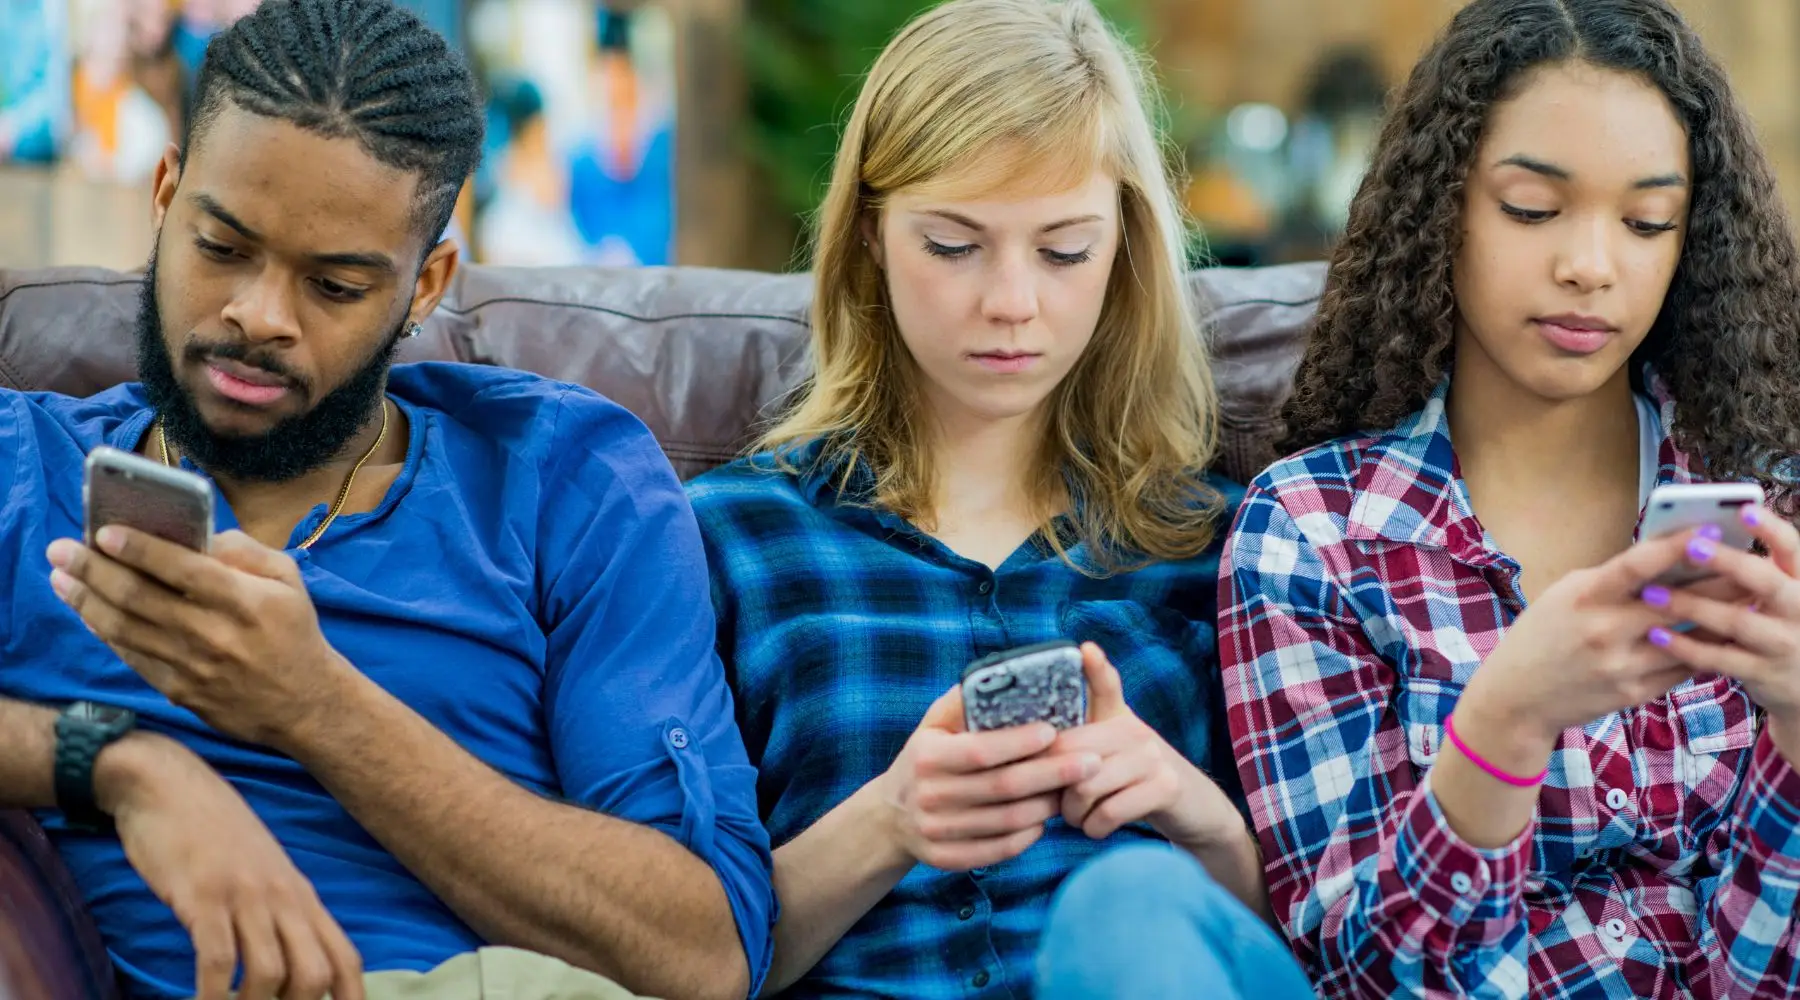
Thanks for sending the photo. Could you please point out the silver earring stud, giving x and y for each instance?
(413, 330)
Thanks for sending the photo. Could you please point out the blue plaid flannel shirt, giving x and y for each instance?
(840, 624)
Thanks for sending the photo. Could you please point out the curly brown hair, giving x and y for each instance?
(1726, 341)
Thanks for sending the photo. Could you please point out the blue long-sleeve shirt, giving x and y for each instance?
(533, 585)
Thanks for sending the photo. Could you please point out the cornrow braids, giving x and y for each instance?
(362, 69)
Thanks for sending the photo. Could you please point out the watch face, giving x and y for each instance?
(105, 715)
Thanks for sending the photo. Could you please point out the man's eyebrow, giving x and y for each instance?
(367, 260)
(210, 205)
(371, 261)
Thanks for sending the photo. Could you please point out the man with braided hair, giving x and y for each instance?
(439, 704)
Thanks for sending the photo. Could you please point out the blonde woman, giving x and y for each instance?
(1002, 443)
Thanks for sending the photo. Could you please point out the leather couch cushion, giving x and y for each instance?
(700, 355)
(48, 951)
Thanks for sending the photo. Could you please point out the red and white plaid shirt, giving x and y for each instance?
(1358, 596)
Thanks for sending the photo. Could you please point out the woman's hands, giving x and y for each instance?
(959, 800)
(1754, 641)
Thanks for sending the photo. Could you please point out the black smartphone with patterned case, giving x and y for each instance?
(1037, 683)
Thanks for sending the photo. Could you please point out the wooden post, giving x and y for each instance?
(712, 186)
(1755, 40)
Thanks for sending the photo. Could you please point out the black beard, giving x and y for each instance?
(294, 446)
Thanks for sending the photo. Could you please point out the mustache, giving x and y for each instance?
(266, 361)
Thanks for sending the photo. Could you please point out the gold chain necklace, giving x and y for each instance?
(162, 442)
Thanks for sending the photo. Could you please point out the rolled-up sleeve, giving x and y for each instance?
(640, 718)
(1378, 894)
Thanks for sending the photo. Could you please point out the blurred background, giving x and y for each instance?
(648, 132)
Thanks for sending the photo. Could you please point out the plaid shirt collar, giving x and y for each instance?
(821, 476)
(1410, 491)
(827, 482)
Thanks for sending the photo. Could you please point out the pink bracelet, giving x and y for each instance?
(1479, 761)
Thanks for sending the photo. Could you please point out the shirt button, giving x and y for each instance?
(678, 738)
(1461, 883)
(987, 587)
(1617, 799)
(1615, 928)
(981, 979)
(965, 913)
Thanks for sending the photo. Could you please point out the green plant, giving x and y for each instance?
(805, 60)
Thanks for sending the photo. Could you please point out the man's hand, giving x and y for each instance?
(1141, 777)
(204, 853)
(231, 636)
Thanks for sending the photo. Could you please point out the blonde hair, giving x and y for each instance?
(980, 96)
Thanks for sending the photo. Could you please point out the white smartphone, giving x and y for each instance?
(1684, 506)
(119, 487)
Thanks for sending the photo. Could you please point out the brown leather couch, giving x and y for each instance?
(699, 355)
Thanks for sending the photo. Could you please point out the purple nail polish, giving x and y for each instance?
(1656, 597)
(1660, 636)
(1750, 516)
(1702, 549)
(1711, 531)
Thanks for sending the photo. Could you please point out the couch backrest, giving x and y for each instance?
(700, 355)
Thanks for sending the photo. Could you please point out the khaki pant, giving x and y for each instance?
(496, 974)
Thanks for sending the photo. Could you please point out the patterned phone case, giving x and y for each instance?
(1042, 683)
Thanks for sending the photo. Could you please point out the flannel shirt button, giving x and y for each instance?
(1461, 883)
(965, 913)
(981, 979)
(1615, 928)
(678, 738)
(987, 587)
(1617, 799)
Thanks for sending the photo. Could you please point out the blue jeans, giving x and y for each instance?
(1147, 922)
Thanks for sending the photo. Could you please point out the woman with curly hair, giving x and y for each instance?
(1482, 755)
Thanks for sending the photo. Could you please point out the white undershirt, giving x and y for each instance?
(1649, 447)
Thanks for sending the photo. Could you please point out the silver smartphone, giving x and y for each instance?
(1038, 683)
(1685, 506)
(121, 488)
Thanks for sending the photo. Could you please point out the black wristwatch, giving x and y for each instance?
(82, 731)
